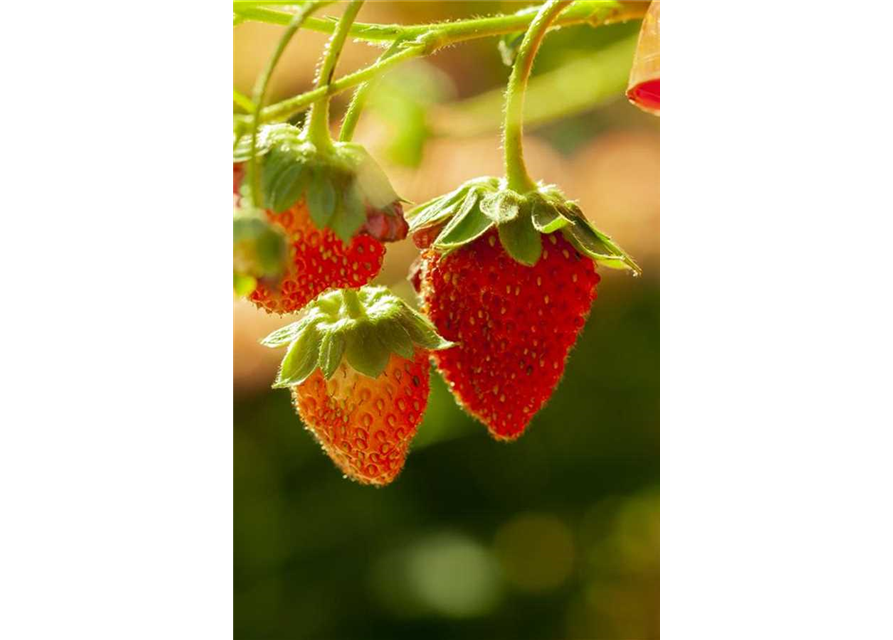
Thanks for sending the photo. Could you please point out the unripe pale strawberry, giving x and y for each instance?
(510, 278)
(358, 367)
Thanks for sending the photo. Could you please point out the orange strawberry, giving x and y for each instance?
(365, 425)
(357, 365)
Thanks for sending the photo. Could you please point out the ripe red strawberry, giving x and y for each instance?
(333, 203)
(510, 278)
(514, 324)
(365, 425)
(357, 365)
(318, 261)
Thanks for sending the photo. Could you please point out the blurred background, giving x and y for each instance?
(553, 536)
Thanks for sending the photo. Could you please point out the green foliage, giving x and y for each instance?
(363, 326)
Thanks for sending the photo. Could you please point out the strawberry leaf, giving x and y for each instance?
(321, 199)
(396, 338)
(300, 360)
(331, 349)
(422, 331)
(365, 352)
(350, 215)
(521, 240)
(463, 229)
(546, 218)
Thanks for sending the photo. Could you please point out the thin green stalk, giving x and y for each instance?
(260, 91)
(318, 119)
(512, 141)
(352, 303)
(433, 37)
(582, 11)
(358, 102)
(287, 108)
(243, 101)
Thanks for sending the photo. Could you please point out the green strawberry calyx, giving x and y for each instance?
(468, 212)
(364, 326)
(342, 183)
(260, 250)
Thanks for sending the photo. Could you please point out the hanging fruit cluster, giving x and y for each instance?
(506, 277)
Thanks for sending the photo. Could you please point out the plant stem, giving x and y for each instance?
(582, 11)
(352, 303)
(515, 170)
(318, 120)
(260, 91)
(358, 102)
(287, 108)
(243, 101)
(439, 36)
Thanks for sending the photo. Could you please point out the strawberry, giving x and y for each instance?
(335, 206)
(365, 425)
(318, 261)
(510, 278)
(357, 365)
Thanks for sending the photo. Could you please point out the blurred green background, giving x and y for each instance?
(553, 536)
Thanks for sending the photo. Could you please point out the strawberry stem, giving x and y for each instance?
(515, 169)
(595, 13)
(260, 93)
(358, 101)
(318, 119)
(352, 303)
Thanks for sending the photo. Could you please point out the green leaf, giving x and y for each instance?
(462, 229)
(350, 215)
(288, 333)
(422, 331)
(502, 206)
(268, 136)
(396, 339)
(300, 360)
(321, 199)
(546, 218)
(331, 349)
(595, 244)
(521, 240)
(283, 189)
(365, 352)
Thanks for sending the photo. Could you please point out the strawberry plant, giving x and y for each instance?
(508, 268)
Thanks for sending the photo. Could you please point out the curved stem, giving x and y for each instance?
(609, 12)
(243, 102)
(581, 11)
(287, 108)
(260, 91)
(358, 102)
(515, 170)
(318, 120)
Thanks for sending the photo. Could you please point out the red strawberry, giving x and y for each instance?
(357, 365)
(510, 278)
(514, 324)
(365, 425)
(334, 204)
(318, 261)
